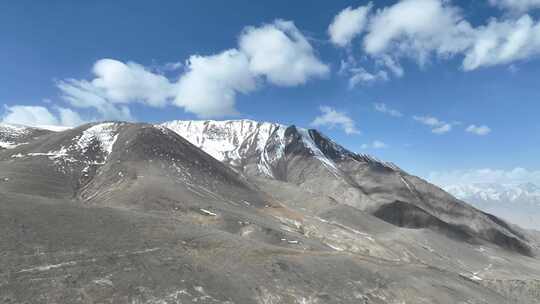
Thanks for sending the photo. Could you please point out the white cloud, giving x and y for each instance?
(278, 53)
(211, 83)
(361, 76)
(383, 108)
(376, 144)
(38, 116)
(115, 85)
(83, 94)
(331, 118)
(422, 29)
(69, 118)
(478, 130)
(281, 54)
(172, 66)
(130, 82)
(516, 6)
(501, 42)
(465, 177)
(28, 116)
(428, 120)
(391, 64)
(437, 126)
(445, 128)
(415, 28)
(348, 24)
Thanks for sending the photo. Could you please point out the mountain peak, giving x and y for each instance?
(262, 147)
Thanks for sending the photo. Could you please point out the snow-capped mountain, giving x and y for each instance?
(234, 142)
(527, 193)
(13, 135)
(243, 143)
(314, 163)
(517, 203)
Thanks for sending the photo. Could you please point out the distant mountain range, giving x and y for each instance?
(518, 203)
(239, 212)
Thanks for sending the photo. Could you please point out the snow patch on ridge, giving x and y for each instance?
(234, 140)
(104, 135)
(9, 134)
(317, 153)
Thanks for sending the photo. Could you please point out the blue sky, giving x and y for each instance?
(433, 69)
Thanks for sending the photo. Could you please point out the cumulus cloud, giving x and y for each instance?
(38, 116)
(516, 6)
(383, 108)
(280, 53)
(130, 82)
(487, 175)
(276, 53)
(348, 24)
(416, 28)
(331, 118)
(478, 130)
(376, 144)
(437, 126)
(211, 83)
(422, 29)
(115, 85)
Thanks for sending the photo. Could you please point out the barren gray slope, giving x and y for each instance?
(131, 213)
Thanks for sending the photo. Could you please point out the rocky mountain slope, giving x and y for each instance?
(134, 213)
(318, 165)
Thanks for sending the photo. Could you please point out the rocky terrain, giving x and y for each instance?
(240, 212)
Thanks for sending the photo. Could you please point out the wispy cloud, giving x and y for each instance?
(383, 108)
(478, 130)
(516, 6)
(361, 76)
(358, 75)
(331, 118)
(376, 144)
(437, 126)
